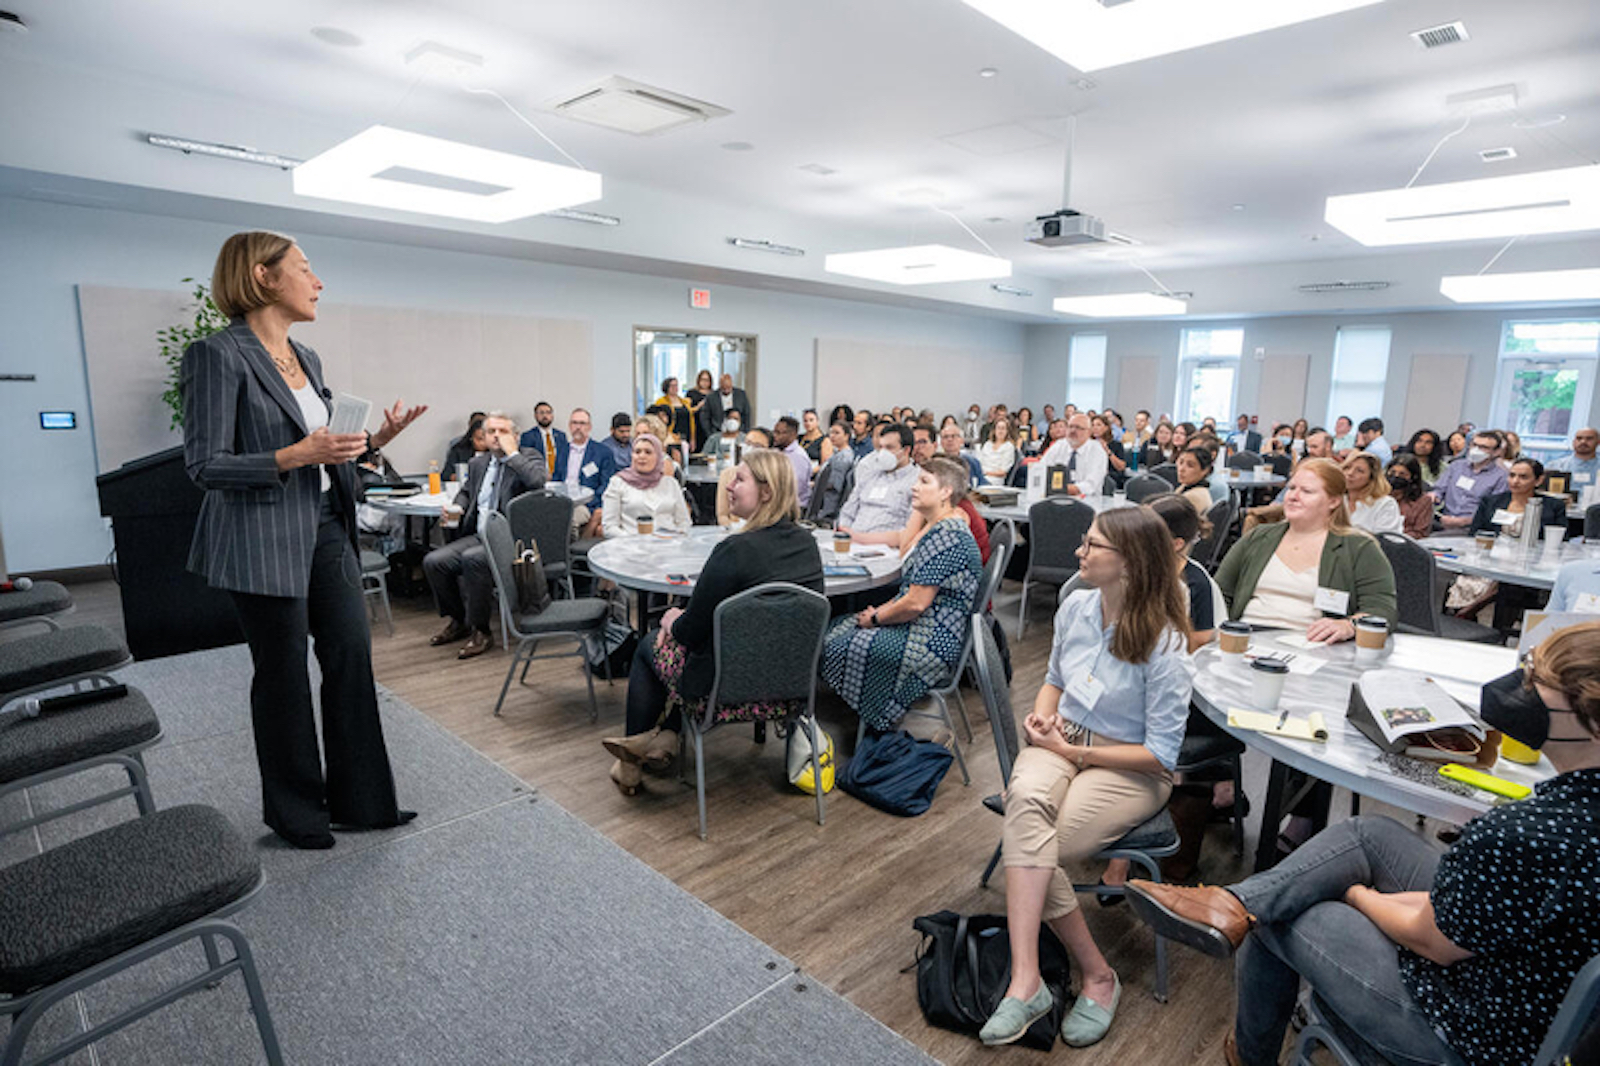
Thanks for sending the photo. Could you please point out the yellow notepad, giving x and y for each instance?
(1313, 728)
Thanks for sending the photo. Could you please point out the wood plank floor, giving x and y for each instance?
(838, 899)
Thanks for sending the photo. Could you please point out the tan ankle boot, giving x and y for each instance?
(631, 749)
(661, 750)
(627, 777)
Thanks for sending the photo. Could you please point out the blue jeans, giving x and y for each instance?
(1304, 929)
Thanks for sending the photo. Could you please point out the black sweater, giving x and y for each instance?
(1555, 511)
(779, 552)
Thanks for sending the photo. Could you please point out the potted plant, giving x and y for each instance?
(174, 339)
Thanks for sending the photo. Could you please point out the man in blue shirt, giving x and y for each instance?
(619, 443)
(1470, 478)
(950, 440)
(1344, 438)
(1577, 588)
(862, 427)
(585, 464)
(1369, 438)
(1582, 462)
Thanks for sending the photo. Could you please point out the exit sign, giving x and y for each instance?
(700, 299)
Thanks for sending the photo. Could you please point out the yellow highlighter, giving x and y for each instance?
(1488, 782)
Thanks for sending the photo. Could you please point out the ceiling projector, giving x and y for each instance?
(1066, 228)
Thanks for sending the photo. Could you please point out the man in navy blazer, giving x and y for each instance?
(1246, 439)
(586, 464)
(549, 442)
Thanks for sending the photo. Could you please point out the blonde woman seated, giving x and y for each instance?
(1103, 738)
(757, 438)
(1372, 506)
(998, 454)
(673, 668)
(656, 426)
(643, 490)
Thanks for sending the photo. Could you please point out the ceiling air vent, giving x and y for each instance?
(1497, 155)
(631, 107)
(1439, 36)
(1344, 286)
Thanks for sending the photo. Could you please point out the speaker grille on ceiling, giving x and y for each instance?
(1344, 286)
(1439, 36)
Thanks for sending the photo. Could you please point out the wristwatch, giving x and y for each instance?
(874, 618)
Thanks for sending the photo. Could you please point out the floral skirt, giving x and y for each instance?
(669, 660)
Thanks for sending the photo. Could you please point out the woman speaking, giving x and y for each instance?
(277, 530)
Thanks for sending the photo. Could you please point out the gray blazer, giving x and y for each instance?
(524, 471)
(258, 525)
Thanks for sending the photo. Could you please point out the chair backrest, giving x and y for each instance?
(1413, 567)
(819, 488)
(1243, 461)
(1219, 603)
(1056, 528)
(501, 549)
(996, 694)
(543, 518)
(1580, 1008)
(1208, 552)
(1281, 464)
(1017, 476)
(766, 642)
(1167, 472)
(1002, 542)
(1591, 522)
(1108, 485)
(1143, 486)
(1075, 584)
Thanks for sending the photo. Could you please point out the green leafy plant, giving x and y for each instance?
(174, 339)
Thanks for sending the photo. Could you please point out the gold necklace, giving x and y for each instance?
(287, 367)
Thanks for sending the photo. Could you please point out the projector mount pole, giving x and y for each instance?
(1066, 177)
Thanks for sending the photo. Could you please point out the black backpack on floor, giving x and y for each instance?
(964, 966)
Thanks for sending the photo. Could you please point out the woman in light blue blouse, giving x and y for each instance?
(1103, 739)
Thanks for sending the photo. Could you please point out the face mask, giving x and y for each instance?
(1517, 711)
(730, 425)
(972, 416)
(1285, 441)
(1399, 484)
(881, 460)
(1477, 455)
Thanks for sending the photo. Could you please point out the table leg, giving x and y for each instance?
(1271, 816)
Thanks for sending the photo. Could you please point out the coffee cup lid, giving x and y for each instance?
(1235, 627)
(1368, 621)
(1270, 666)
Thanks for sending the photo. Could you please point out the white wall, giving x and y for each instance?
(1475, 334)
(49, 514)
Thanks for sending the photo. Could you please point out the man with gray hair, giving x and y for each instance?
(458, 573)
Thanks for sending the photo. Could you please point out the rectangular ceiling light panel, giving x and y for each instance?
(1120, 305)
(922, 264)
(1546, 201)
(1091, 35)
(350, 172)
(1528, 287)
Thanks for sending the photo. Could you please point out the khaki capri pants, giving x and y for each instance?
(1057, 813)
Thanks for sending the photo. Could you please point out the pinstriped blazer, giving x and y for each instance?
(258, 525)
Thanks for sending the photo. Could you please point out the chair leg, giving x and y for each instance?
(1153, 868)
(966, 722)
(588, 676)
(700, 776)
(258, 1000)
(1237, 765)
(510, 672)
(955, 741)
(139, 778)
(816, 762)
(388, 611)
(988, 871)
(1022, 609)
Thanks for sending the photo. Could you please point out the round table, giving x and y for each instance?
(700, 474)
(1018, 512)
(1348, 758)
(1459, 555)
(427, 505)
(643, 562)
(1250, 479)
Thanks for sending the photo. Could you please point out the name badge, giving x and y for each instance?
(1583, 479)
(1588, 603)
(590, 469)
(1465, 483)
(878, 492)
(1503, 518)
(1086, 688)
(1334, 601)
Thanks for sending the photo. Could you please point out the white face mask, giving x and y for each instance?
(1284, 440)
(881, 460)
(730, 425)
(1476, 455)
(972, 416)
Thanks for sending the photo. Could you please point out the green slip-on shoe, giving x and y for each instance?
(1088, 1022)
(1013, 1016)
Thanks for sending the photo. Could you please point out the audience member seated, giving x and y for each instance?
(1281, 442)
(1180, 436)
(881, 498)
(1158, 449)
(1581, 462)
(1577, 588)
(886, 658)
(836, 469)
(1140, 433)
(972, 429)
(469, 444)
(1194, 474)
(1054, 432)
(813, 439)
(1405, 486)
(619, 443)
(950, 446)
(1469, 479)
(1302, 430)
(1512, 451)
(1424, 445)
(1023, 432)
(1506, 512)
(1319, 444)
(1313, 571)
(998, 454)
(459, 573)
(1367, 496)
(673, 668)
(1420, 950)
(1455, 446)
(644, 490)
(652, 423)
(786, 439)
(586, 464)
(545, 440)
(1084, 458)
(1344, 437)
(1369, 438)
(903, 538)
(1103, 738)
(724, 444)
(865, 439)
(1116, 457)
(757, 438)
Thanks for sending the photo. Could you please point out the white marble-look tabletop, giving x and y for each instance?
(644, 562)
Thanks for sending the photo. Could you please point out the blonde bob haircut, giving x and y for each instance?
(234, 287)
(774, 476)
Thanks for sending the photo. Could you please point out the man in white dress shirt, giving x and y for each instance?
(881, 499)
(1084, 459)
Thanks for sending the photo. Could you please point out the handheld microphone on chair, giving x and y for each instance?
(327, 393)
(33, 706)
(21, 584)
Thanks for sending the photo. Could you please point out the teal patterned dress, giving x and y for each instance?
(881, 672)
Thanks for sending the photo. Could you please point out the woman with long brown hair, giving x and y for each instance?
(1103, 738)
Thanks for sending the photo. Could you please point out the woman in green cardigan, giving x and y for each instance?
(1312, 571)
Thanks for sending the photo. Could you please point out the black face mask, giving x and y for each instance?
(1517, 711)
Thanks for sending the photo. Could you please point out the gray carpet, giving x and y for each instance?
(497, 928)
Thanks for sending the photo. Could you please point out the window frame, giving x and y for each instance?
(1507, 364)
(1188, 364)
(1073, 380)
(1337, 408)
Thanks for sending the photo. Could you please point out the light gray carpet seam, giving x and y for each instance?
(692, 1037)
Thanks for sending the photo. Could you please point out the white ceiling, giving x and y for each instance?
(871, 88)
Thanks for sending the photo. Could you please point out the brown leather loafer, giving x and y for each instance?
(451, 633)
(1208, 919)
(476, 645)
(1230, 1049)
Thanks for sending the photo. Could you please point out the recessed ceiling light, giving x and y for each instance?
(738, 146)
(1092, 34)
(1120, 305)
(923, 264)
(987, 72)
(335, 36)
(1536, 285)
(1238, 207)
(1547, 201)
(818, 169)
(352, 172)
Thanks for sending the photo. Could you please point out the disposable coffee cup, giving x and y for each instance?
(1484, 539)
(461, 472)
(1234, 473)
(452, 517)
(841, 543)
(1266, 683)
(1371, 636)
(647, 525)
(1264, 470)
(1233, 639)
(1553, 536)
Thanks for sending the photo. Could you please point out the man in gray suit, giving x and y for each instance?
(727, 400)
(459, 573)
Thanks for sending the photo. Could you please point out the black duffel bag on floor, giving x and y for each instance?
(964, 967)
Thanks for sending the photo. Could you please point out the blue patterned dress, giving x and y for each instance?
(881, 672)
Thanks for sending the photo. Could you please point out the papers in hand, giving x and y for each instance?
(349, 414)
(1313, 728)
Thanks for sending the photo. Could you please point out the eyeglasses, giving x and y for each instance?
(1090, 545)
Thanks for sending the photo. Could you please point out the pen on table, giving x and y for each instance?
(1282, 720)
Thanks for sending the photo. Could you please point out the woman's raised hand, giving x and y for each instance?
(321, 448)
